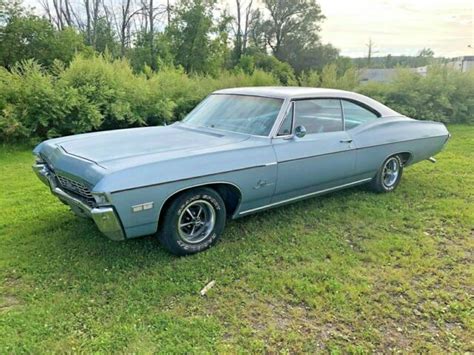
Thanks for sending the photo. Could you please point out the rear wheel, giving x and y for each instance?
(389, 175)
(193, 221)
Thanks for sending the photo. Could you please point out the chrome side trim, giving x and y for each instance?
(105, 217)
(304, 196)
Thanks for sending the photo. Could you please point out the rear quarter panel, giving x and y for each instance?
(382, 138)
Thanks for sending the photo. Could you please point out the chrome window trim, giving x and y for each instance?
(289, 101)
(320, 98)
(279, 120)
(343, 116)
(363, 106)
(291, 106)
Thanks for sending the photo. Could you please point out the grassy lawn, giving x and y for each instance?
(351, 271)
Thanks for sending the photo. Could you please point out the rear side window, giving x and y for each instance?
(319, 115)
(355, 114)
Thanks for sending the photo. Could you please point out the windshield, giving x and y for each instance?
(236, 113)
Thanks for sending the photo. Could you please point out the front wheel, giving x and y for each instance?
(193, 221)
(389, 175)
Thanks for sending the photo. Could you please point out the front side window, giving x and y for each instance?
(355, 115)
(236, 113)
(319, 115)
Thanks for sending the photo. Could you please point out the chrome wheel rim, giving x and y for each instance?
(391, 170)
(196, 221)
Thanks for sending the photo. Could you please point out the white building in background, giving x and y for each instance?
(463, 64)
(421, 70)
(377, 75)
(385, 75)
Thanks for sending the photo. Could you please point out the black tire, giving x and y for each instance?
(180, 233)
(384, 182)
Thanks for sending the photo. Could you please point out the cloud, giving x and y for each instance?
(399, 26)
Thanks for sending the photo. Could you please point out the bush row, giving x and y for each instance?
(98, 93)
(444, 94)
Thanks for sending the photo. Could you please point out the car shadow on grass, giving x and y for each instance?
(72, 240)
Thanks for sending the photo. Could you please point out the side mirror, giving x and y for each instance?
(300, 131)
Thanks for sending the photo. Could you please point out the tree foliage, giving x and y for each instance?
(290, 29)
(190, 36)
(29, 36)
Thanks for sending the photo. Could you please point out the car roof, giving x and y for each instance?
(297, 92)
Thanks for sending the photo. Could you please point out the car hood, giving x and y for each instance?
(111, 148)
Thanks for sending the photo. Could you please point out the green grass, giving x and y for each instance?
(351, 271)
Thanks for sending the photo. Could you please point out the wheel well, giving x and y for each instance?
(229, 193)
(405, 157)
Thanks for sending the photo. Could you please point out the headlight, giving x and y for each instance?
(39, 160)
(101, 198)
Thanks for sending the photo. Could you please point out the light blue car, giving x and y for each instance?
(238, 152)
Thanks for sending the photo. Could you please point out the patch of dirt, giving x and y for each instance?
(11, 280)
(8, 303)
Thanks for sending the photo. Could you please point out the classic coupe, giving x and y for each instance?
(239, 151)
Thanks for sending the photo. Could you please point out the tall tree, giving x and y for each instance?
(289, 28)
(26, 36)
(150, 13)
(289, 21)
(242, 20)
(122, 21)
(190, 34)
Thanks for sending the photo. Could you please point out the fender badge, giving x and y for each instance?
(142, 207)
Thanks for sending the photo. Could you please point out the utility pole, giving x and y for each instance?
(168, 11)
(369, 54)
(371, 51)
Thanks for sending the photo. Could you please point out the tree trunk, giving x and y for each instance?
(88, 22)
(151, 35)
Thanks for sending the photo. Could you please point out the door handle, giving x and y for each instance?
(348, 140)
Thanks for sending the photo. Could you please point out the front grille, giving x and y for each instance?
(75, 186)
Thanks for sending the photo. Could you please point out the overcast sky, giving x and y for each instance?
(395, 26)
(399, 26)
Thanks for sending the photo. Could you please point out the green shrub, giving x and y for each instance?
(110, 88)
(444, 94)
(97, 93)
(281, 70)
(330, 78)
(32, 105)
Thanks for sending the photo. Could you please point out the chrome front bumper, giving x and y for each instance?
(104, 217)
